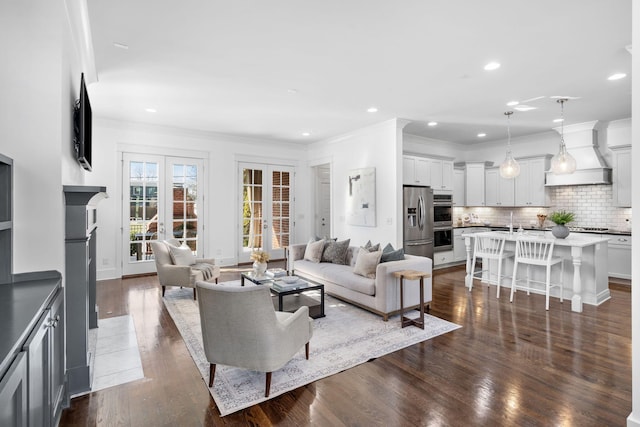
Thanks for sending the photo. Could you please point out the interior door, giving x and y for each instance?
(266, 214)
(323, 201)
(160, 201)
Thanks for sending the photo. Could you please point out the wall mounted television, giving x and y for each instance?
(82, 127)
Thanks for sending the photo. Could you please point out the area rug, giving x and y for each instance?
(346, 337)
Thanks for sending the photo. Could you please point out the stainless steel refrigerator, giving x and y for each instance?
(417, 212)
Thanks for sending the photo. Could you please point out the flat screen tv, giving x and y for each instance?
(82, 127)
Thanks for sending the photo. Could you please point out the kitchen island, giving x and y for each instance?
(586, 282)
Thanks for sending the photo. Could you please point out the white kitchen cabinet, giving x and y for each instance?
(529, 185)
(459, 249)
(441, 258)
(441, 175)
(619, 247)
(498, 190)
(622, 176)
(416, 170)
(474, 183)
(458, 187)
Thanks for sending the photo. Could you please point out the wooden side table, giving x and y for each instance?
(411, 275)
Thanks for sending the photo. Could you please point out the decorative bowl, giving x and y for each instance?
(290, 279)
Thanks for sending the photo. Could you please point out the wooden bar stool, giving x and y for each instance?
(411, 275)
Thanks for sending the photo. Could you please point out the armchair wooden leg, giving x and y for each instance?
(216, 280)
(268, 385)
(306, 350)
(164, 288)
(212, 373)
(194, 294)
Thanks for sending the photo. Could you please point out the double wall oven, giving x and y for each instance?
(442, 222)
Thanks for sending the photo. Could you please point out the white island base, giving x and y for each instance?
(585, 277)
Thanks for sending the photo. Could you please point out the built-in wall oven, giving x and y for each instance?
(442, 210)
(442, 222)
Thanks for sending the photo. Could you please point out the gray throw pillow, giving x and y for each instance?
(335, 252)
(366, 263)
(371, 247)
(313, 251)
(390, 254)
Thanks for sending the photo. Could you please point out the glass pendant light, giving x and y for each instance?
(509, 168)
(563, 163)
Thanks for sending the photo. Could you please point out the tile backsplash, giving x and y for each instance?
(592, 205)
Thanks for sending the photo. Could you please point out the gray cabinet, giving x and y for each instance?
(13, 393)
(45, 365)
(6, 215)
(619, 247)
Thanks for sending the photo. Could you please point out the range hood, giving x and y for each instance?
(582, 143)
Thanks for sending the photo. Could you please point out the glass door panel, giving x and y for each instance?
(266, 209)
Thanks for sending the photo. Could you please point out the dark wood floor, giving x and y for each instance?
(509, 365)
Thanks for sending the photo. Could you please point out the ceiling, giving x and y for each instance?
(277, 69)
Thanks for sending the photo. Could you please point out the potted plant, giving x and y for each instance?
(561, 218)
(260, 259)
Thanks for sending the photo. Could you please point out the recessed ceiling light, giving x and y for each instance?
(482, 135)
(512, 103)
(306, 133)
(558, 120)
(121, 45)
(492, 66)
(432, 124)
(523, 107)
(372, 110)
(150, 110)
(617, 76)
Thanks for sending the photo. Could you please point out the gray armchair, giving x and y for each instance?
(241, 328)
(171, 274)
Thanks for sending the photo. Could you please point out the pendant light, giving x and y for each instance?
(563, 163)
(509, 168)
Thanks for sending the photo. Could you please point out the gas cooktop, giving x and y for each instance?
(589, 229)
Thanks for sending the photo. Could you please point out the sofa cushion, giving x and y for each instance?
(341, 275)
(335, 252)
(181, 255)
(366, 263)
(313, 252)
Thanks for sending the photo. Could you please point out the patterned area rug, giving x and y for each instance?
(346, 337)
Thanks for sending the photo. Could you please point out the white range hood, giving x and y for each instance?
(582, 143)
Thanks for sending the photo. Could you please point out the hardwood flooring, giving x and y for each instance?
(509, 365)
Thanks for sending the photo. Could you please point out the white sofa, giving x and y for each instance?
(380, 295)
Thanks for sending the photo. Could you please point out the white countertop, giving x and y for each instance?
(573, 240)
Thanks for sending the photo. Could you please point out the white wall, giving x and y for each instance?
(222, 154)
(39, 65)
(377, 146)
(418, 145)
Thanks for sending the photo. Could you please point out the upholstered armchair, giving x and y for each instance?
(177, 266)
(241, 328)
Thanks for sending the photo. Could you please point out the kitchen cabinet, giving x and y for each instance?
(619, 247)
(622, 176)
(458, 187)
(415, 170)
(498, 190)
(441, 175)
(13, 393)
(474, 183)
(529, 185)
(443, 257)
(459, 249)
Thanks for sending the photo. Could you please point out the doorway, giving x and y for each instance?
(266, 209)
(322, 200)
(162, 199)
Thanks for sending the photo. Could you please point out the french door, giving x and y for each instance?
(266, 209)
(162, 199)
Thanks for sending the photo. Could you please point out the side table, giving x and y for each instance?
(411, 275)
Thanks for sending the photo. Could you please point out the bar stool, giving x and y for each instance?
(489, 246)
(536, 251)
